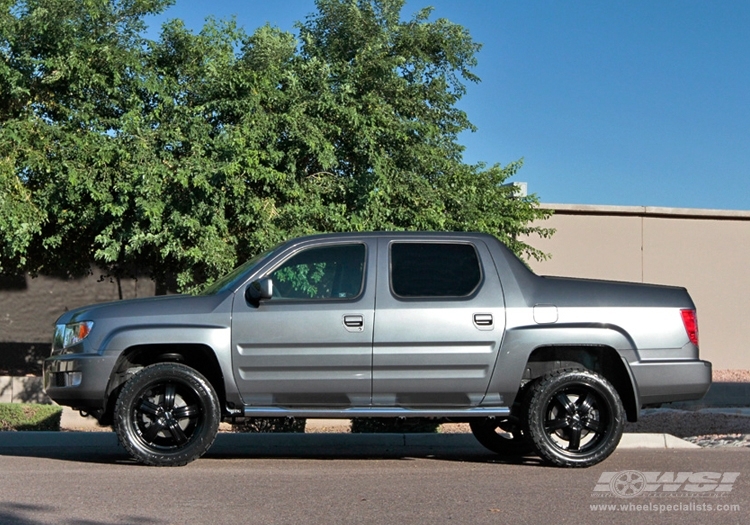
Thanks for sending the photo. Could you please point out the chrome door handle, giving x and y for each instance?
(354, 321)
(483, 319)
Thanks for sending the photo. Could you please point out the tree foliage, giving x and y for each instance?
(180, 157)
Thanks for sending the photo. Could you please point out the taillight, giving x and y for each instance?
(690, 320)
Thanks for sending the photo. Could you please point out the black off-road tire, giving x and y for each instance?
(501, 437)
(167, 415)
(573, 417)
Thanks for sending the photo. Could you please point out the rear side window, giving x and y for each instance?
(434, 269)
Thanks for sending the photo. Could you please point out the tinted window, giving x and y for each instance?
(434, 270)
(328, 272)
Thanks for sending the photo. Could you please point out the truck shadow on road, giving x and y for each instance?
(103, 447)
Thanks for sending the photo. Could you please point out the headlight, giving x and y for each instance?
(67, 335)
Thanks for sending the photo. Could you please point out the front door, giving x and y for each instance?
(310, 345)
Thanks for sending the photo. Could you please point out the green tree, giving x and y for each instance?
(69, 77)
(178, 158)
(373, 136)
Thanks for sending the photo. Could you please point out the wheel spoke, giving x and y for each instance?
(147, 407)
(169, 394)
(593, 424)
(575, 438)
(555, 424)
(152, 432)
(566, 403)
(586, 405)
(177, 434)
(184, 412)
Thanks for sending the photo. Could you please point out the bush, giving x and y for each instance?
(21, 416)
(271, 424)
(395, 425)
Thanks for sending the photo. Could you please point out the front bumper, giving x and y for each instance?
(667, 381)
(78, 380)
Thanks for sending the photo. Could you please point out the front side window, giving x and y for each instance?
(434, 269)
(326, 272)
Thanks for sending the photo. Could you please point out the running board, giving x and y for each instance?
(348, 413)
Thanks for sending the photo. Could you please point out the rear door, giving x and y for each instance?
(311, 344)
(439, 321)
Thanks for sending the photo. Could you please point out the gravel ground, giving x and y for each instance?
(705, 427)
(731, 376)
(686, 423)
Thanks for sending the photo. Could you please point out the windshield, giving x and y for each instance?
(234, 277)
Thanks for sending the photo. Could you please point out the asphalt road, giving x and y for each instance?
(243, 480)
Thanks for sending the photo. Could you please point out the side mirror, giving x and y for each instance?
(256, 291)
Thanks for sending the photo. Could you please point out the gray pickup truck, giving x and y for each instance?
(383, 325)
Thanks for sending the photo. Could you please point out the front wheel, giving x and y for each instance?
(168, 414)
(574, 417)
(502, 437)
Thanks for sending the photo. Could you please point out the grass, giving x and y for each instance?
(24, 416)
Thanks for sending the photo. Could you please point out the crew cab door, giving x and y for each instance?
(310, 344)
(439, 321)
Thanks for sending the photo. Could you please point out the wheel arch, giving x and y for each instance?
(601, 359)
(199, 357)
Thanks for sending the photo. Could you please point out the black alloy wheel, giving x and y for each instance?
(574, 417)
(168, 414)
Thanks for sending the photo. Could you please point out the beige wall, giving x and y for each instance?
(706, 251)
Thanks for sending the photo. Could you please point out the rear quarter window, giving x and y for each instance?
(433, 270)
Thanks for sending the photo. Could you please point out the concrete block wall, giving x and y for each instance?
(23, 390)
(6, 389)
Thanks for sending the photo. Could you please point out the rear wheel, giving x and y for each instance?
(167, 414)
(501, 436)
(574, 417)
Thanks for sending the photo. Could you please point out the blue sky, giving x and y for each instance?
(636, 103)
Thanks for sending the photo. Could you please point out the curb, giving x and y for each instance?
(633, 440)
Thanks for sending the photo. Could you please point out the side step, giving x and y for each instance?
(348, 413)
